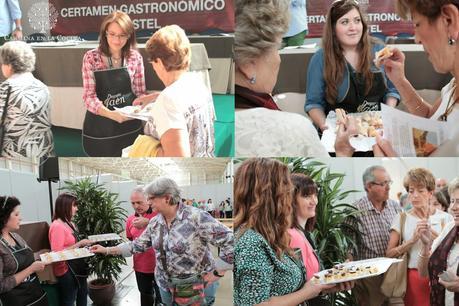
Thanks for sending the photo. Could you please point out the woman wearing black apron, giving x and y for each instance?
(113, 76)
(19, 284)
(72, 274)
(342, 73)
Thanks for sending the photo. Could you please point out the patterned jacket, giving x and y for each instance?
(186, 243)
(28, 117)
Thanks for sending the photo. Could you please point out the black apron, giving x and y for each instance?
(28, 292)
(356, 101)
(102, 136)
(78, 267)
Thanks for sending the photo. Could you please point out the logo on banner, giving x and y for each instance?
(43, 16)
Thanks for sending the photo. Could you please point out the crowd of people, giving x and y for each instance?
(167, 258)
(221, 210)
(181, 119)
(275, 216)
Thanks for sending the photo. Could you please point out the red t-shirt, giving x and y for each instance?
(60, 237)
(143, 262)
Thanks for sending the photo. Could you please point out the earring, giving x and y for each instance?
(451, 41)
(252, 80)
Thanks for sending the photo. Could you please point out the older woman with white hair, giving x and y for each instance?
(181, 235)
(24, 105)
(438, 259)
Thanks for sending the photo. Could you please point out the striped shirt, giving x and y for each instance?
(92, 61)
(375, 227)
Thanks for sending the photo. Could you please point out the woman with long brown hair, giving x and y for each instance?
(342, 73)
(266, 269)
(113, 77)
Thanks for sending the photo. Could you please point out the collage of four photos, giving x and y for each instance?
(229, 152)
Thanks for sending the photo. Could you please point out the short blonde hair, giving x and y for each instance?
(453, 186)
(171, 45)
(258, 24)
(419, 177)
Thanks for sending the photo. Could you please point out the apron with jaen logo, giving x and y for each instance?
(103, 136)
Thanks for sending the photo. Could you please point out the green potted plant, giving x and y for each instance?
(99, 212)
(333, 234)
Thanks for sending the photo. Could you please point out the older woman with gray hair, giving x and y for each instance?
(261, 128)
(24, 105)
(181, 235)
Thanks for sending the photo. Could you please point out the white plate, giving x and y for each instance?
(65, 255)
(381, 264)
(135, 112)
(359, 143)
(104, 237)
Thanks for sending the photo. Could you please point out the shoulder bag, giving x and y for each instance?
(394, 282)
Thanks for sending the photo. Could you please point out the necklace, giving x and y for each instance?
(116, 60)
(450, 105)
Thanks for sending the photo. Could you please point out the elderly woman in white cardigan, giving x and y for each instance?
(24, 105)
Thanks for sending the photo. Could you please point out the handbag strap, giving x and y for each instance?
(162, 252)
(2, 126)
(402, 226)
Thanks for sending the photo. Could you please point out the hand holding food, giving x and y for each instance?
(383, 54)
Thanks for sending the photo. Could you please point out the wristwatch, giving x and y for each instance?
(18, 28)
(216, 274)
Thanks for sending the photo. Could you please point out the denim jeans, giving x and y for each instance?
(71, 290)
(209, 291)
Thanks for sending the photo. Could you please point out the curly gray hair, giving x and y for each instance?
(164, 186)
(258, 24)
(453, 186)
(19, 55)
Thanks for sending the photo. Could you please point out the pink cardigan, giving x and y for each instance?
(310, 260)
(60, 237)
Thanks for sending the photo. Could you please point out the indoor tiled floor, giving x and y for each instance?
(128, 295)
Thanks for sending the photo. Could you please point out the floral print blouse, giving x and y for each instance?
(186, 244)
(259, 274)
(28, 117)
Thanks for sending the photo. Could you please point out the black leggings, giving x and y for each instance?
(149, 291)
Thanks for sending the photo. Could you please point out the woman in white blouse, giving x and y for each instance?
(420, 185)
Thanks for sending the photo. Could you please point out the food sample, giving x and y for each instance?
(382, 54)
(368, 123)
(65, 255)
(340, 115)
(343, 273)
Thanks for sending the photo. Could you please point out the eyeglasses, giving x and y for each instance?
(382, 184)
(113, 36)
(4, 202)
(340, 2)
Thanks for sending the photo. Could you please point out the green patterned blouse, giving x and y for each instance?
(259, 274)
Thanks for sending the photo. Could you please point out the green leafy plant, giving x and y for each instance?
(99, 212)
(336, 231)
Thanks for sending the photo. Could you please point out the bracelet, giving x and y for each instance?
(423, 256)
(419, 104)
(108, 251)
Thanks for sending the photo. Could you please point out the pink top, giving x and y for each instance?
(92, 61)
(143, 262)
(310, 259)
(60, 237)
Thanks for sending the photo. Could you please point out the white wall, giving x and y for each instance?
(35, 204)
(444, 167)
